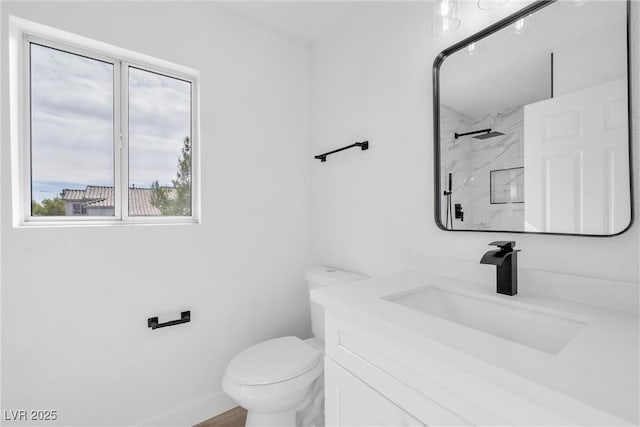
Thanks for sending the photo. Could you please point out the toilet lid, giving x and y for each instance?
(273, 361)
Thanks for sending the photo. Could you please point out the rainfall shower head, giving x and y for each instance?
(489, 135)
(486, 133)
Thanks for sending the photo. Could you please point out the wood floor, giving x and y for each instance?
(235, 417)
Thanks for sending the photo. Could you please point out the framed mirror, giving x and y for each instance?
(532, 123)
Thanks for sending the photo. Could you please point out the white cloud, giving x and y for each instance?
(159, 120)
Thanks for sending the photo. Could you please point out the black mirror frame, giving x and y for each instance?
(503, 23)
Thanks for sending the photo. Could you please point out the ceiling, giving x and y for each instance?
(506, 70)
(303, 20)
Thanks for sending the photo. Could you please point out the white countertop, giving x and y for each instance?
(598, 367)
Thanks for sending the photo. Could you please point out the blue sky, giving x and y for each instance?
(72, 123)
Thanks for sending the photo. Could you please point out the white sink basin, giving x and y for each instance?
(541, 330)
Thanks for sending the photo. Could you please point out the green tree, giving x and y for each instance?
(176, 200)
(49, 207)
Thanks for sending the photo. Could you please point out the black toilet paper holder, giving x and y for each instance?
(185, 317)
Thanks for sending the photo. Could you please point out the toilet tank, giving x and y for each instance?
(321, 276)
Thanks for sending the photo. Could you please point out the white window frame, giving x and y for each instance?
(22, 34)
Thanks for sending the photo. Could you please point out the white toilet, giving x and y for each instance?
(279, 382)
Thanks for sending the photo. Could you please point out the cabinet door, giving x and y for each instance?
(351, 402)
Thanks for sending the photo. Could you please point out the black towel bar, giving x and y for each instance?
(185, 317)
(364, 145)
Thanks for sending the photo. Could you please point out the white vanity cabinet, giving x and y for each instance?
(388, 364)
(360, 392)
(351, 402)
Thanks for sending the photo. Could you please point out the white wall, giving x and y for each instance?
(598, 53)
(373, 211)
(75, 300)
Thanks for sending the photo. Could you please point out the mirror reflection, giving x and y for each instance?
(533, 125)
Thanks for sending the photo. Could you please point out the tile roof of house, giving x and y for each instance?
(69, 195)
(100, 196)
(140, 203)
(103, 197)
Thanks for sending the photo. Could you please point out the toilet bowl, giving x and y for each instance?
(272, 379)
(280, 381)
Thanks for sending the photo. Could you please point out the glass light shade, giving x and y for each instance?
(490, 4)
(520, 26)
(471, 49)
(444, 17)
(577, 3)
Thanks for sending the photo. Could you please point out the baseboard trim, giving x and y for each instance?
(194, 412)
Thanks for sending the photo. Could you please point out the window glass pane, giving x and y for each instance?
(159, 145)
(72, 170)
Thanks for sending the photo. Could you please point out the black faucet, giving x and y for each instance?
(506, 261)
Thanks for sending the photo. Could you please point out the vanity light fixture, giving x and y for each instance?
(490, 4)
(444, 17)
(471, 49)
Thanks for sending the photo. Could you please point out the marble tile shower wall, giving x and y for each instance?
(471, 160)
(456, 158)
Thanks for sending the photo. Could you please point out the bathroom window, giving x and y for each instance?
(105, 135)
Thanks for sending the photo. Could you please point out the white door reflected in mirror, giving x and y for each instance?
(576, 159)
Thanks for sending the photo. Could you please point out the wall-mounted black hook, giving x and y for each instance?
(185, 317)
(364, 145)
